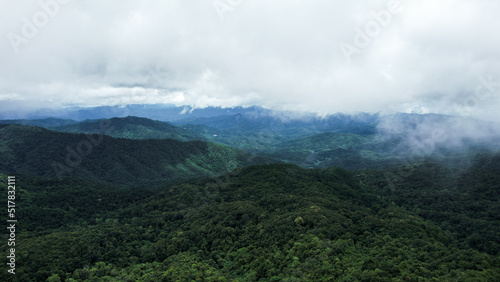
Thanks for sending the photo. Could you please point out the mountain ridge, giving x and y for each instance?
(38, 151)
(133, 127)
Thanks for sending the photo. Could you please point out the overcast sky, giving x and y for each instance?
(322, 56)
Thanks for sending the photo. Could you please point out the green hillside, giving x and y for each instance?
(133, 128)
(346, 150)
(37, 151)
(266, 223)
(329, 140)
(262, 131)
(460, 196)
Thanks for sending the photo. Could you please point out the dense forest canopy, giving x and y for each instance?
(151, 201)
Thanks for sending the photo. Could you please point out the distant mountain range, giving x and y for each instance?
(163, 112)
(348, 141)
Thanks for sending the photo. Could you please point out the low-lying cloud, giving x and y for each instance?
(431, 134)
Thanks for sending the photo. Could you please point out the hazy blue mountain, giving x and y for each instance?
(282, 123)
(163, 112)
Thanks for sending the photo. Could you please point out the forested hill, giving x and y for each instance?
(461, 196)
(346, 150)
(38, 151)
(133, 128)
(259, 223)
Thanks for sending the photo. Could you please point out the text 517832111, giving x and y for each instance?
(11, 223)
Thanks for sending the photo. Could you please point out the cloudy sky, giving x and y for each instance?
(322, 56)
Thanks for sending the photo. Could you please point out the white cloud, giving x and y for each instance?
(281, 54)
